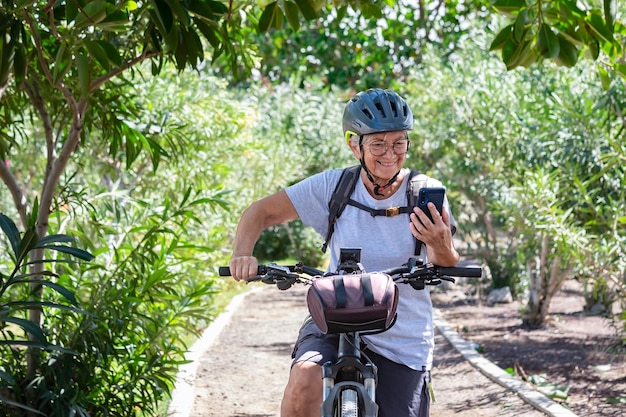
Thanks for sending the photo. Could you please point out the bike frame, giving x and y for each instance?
(349, 373)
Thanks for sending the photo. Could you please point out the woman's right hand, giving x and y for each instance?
(243, 267)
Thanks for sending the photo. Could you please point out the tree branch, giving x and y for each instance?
(46, 70)
(99, 82)
(32, 91)
(16, 191)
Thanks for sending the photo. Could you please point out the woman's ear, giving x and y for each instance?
(356, 150)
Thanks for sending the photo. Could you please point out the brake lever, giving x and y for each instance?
(287, 282)
(281, 276)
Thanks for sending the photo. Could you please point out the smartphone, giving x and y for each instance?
(434, 195)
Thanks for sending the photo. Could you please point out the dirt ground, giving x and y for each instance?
(243, 372)
(574, 351)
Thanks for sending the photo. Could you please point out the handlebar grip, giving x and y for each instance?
(468, 272)
(224, 271)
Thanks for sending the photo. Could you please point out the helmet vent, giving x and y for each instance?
(381, 110)
(394, 108)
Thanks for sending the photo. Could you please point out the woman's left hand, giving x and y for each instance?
(436, 235)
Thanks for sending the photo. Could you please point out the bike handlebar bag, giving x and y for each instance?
(353, 302)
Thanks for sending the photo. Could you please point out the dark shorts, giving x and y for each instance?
(401, 391)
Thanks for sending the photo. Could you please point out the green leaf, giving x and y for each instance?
(19, 64)
(28, 243)
(516, 54)
(371, 10)
(71, 10)
(28, 327)
(509, 8)
(519, 29)
(610, 12)
(78, 253)
(116, 20)
(593, 50)
(547, 42)
(307, 7)
(272, 17)
(16, 404)
(98, 53)
(56, 238)
(621, 69)
(37, 305)
(605, 80)
(67, 294)
(210, 32)
(32, 219)
(597, 25)
(207, 9)
(162, 15)
(11, 232)
(112, 54)
(293, 13)
(572, 8)
(180, 55)
(61, 63)
(129, 5)
(194, 46)
(179, 12)
(501, 38)
(568, 54)
(91, 14)
(82, 63)
(218, 7)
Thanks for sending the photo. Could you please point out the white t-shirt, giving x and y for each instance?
(385, 242)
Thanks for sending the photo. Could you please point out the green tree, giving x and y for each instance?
(558, 30)
(561, 31)
(370, 48)
(492, 133)
(56, 59)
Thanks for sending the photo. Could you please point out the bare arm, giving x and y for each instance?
(269, 211)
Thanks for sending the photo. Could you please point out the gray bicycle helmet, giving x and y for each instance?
(376, 110)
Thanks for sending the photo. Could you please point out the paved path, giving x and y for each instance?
(241, 363)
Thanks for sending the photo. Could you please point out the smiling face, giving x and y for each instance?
(383, 153)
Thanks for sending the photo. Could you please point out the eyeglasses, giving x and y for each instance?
(380, 147)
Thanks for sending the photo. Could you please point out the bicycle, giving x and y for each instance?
(349, 383)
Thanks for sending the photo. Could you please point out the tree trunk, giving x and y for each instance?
(546, 278)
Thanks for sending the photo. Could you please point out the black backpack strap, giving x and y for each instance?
(388, 212)
(418, 243)
(339, 199)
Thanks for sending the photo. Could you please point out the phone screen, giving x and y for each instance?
(433, 195)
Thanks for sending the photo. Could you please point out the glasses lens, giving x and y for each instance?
(379, 148)
(400, 147)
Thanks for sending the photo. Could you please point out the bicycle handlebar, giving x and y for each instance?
(451, 271)
(414, 272)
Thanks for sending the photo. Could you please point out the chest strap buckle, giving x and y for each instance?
(392, 211)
